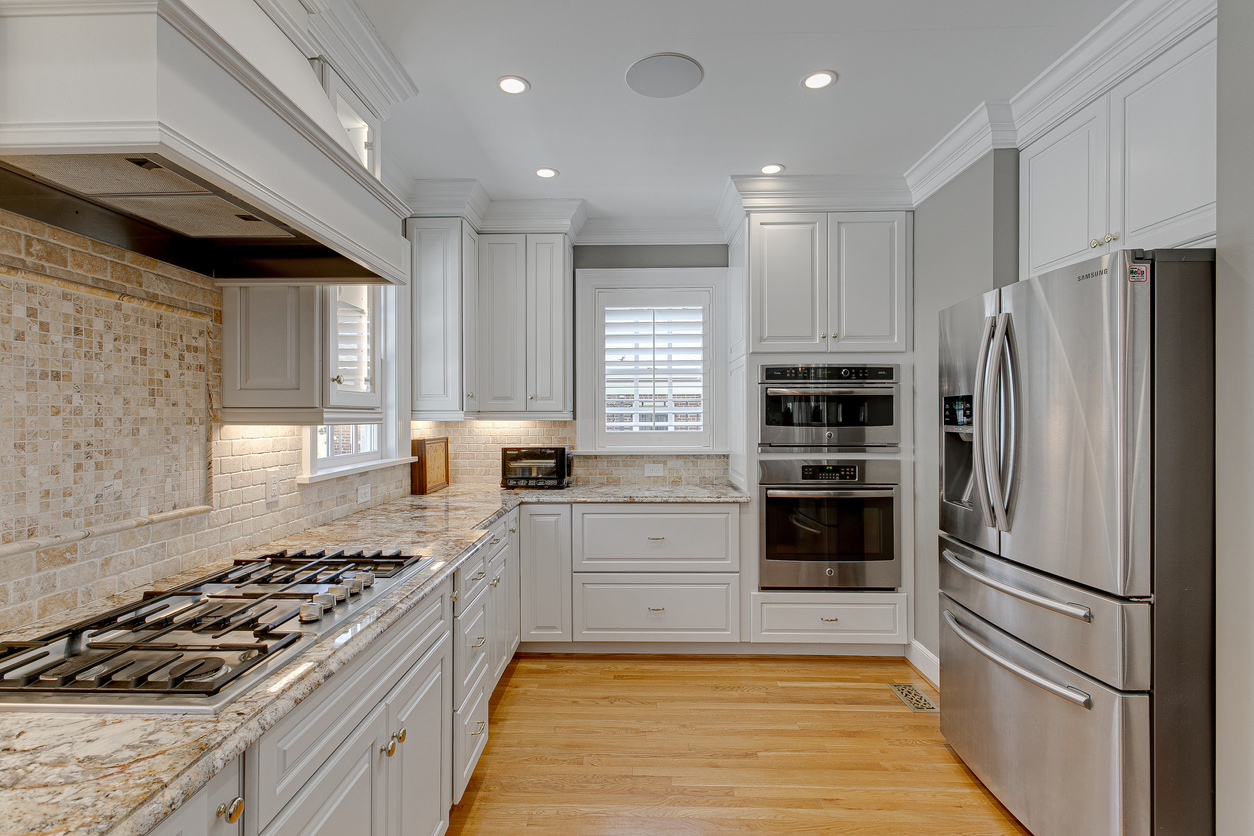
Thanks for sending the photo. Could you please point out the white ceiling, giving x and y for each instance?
(910, 70)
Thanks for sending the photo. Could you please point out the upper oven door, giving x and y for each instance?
(826, 416)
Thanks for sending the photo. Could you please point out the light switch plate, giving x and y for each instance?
(272, 486)
(363, 493)
(655, 470)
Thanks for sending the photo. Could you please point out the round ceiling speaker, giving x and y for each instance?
(665, 75)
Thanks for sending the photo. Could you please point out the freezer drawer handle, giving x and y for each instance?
(1068, 693)
(1072, 610)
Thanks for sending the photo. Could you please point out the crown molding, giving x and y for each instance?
(448, 199)
(731, 211)
(294, 25)
(651, 231)
(823, 193)
(1135, 34)
(566, 216)
(345, 37)
(989, 126)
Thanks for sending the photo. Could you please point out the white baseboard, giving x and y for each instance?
(925, 662)
(716, 648)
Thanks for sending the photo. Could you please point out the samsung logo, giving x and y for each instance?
(1093, 275)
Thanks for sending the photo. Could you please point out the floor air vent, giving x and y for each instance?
(914, 698)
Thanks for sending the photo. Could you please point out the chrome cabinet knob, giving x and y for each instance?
(1095, 243)
(470, 395)
(390, 748)
(401, 735)
(1110, 236)
(823, 336)
(231, 810)
(338, 379)
(835, 335)
(531, 397)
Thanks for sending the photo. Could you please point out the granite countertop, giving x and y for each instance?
(122, 773)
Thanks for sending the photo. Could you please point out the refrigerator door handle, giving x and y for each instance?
(1074, 695)
(979, 469)
(1012, 416)
(1068, 609)
(992, 451)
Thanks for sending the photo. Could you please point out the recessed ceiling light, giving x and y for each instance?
(513, 84)
(819, 80)
(772, 168)
(546, 172)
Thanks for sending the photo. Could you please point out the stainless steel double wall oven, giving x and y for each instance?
(813, 408)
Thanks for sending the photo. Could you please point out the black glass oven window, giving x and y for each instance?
(531, 464)
(829, 410)
(825, 529)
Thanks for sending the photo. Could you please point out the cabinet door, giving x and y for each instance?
(198, 816)
(544, 569)
(1162, 148)
(470, 317)
(348, 794)
(788, 282)
(502, 337)
(470, 734)
(1063, 193)
(550, 294)
(513, 618)
(436, 316)
(270, 344)
(420, 709)
(353, 340)
(472, 648)
(869, 271)
(498, 619)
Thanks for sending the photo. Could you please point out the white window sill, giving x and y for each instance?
(350, 469)
(652, 451)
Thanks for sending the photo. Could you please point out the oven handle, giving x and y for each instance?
(771, 391)
(870, 494)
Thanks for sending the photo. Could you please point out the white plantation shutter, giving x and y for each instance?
(655, 369)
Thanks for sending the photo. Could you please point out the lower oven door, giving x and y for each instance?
(830, 539)
(831, 415)
(1065, 753)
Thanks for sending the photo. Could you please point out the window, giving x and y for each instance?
(648, 365)
(342, 444)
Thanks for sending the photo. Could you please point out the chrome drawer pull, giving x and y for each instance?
(1067, 692)
(495, 540)
(482, 639)
(821, 618)
(657, 538)
(479, 730)
(657, 609)
(1072, 610)
(480, 575)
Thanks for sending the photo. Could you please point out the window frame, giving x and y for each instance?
(594, 290)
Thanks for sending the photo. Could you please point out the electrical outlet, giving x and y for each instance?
(272, 486)
(363, 493)
(655, 470)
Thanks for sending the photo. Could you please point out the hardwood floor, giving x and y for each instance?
(659, 745)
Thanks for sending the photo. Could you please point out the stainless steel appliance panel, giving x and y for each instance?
(1067, 755)
(829, 415)
(1105, 637)
(966, 332)
(1075, 437)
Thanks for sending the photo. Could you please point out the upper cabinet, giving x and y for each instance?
(445, 256)
(301, 355)
(829, 282)
(1133, 169)
(522, 331)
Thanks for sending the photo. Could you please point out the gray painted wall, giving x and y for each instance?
(1234, 437)
(965, 243)
(637, 257)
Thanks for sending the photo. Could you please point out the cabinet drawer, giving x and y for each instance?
(855, 617)
(288, 755)
(470, 645)
(470, 734)
(199, 814)
(657, 607)
(656, 538)
(470, 579)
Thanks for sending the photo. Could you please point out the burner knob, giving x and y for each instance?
(324, 600)
(340, 592)
(310, 612)
(366, 578)
(354, 586)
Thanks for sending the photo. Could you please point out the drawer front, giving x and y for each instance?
(657, 607)
(470, 734)
(656, 538)
(877, 620)
(470, 579)
(472, 643)
(1095, 756)
(199, 814)
(288, 755)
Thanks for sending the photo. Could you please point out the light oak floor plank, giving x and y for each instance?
(661, 745)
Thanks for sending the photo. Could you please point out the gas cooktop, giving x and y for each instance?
(196, 647)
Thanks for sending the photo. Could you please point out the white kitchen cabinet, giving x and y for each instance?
(470, 732)
(737, 292)
(545, 570)
(210, 810)
(503, 601)
(829, 282)
(524, 331)
(656, 538)
(829, 617)
(301, 355)
(657, 606)
(420, 785)
(445, 256)
(1134, 168)
(472, 630)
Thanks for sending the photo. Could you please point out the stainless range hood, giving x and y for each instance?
(191, 131)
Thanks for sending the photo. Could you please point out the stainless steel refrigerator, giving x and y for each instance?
(1077, 544)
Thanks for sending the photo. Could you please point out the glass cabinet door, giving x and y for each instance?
(353, 342)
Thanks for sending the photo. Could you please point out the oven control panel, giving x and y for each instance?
(829, 473)
(829, 374)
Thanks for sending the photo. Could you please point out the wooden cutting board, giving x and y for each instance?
(430, 473)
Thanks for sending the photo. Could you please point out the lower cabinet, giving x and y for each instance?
(824, 617)
(215, 810)
(470, 730)
(545, 566)
(644, 607)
